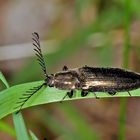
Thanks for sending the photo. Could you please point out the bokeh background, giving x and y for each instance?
(73, 33)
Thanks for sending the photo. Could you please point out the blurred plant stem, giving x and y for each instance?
(127, 47)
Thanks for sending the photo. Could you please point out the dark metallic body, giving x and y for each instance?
(92, 79)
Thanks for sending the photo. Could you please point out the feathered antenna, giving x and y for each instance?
(38, 53)
(26, 96)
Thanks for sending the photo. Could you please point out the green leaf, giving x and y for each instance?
(21, 131)
(4, 80)
(4, 126)
(33, 136)
(20, 127)
(10, 96)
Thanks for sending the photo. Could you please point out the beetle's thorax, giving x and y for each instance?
(65, 80)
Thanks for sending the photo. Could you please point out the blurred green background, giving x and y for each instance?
(102, 33)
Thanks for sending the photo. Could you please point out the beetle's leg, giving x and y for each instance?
(69, 93)
(112, 93)
(96, 95)
(129, 93)
(65, 68)
(84, 93)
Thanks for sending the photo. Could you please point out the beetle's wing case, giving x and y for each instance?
(108, 79)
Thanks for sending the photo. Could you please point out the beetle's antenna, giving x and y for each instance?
(39, 54)
(26, 96)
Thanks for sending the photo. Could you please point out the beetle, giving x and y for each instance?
(87, 79)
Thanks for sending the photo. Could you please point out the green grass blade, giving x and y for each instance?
(10, 96)
(2, 78)
(20, 127)
(21, 131)
(127, 47)
(33, 136)
(4, 126)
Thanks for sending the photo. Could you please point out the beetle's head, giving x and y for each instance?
(50, 80)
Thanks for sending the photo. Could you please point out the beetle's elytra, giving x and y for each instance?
(95, 79)
(87, 79)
